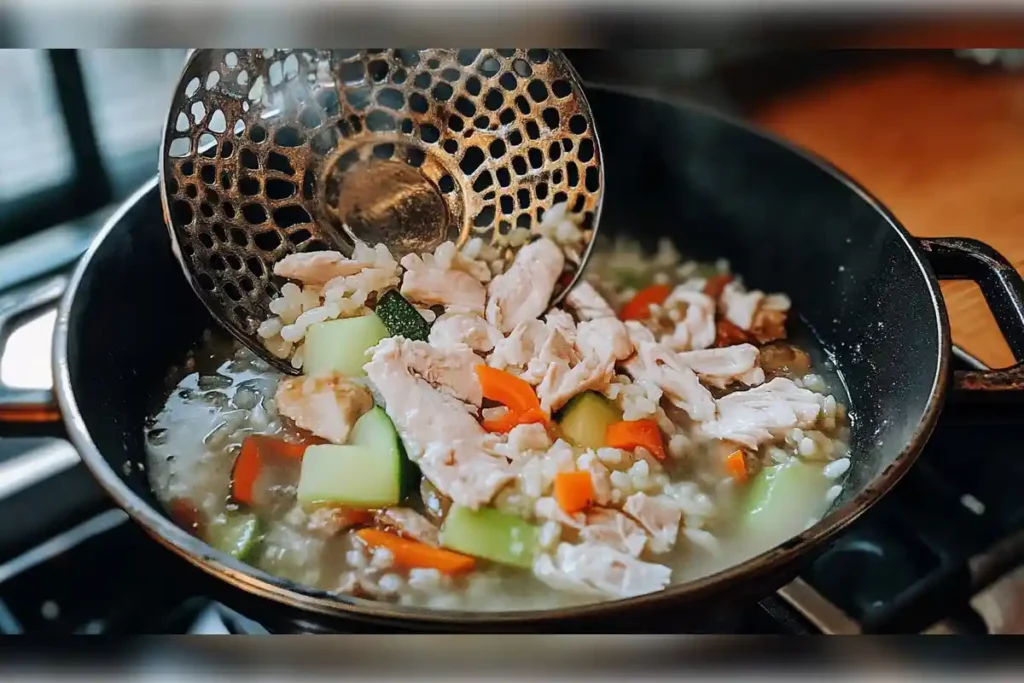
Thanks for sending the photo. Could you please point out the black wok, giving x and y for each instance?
(787, 221)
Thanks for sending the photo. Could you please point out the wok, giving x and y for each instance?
(788, 221)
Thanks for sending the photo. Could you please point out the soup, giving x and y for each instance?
(450, 445)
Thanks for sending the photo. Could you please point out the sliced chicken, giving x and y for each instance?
(600, 571)
(605, 339)
(696, 330)
(561, 382)
(469, 329)
(523, 291)
(433, 285)
(739, 306)
(587, 302)
(318, 267)
(411, 524)
(721, 367)
(465, 472)
(759, 415)
(660, 516)
(638, 333)
(327, 406)
(764, 316)
(448, 369)
(439, 434)
(660, 365)
(421, 414)
(532, 347)
(615, 530)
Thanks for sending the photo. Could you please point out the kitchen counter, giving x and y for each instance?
(941, 143)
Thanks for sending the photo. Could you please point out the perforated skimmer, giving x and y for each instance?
(272, 152)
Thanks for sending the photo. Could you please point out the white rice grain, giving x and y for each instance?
(836, 468)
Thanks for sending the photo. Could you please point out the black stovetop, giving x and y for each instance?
(80, 566)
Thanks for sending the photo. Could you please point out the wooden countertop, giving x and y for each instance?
(942, 145)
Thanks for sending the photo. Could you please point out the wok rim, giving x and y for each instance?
(259, 583)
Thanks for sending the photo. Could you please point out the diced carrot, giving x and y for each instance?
(639, 307)
(245, 472)
(250, 461)
(716, 285)
(728, 333)
(410, 554)
(630, 434)
(736, 466)
(278, 448)
(574, 491)
(507, 389)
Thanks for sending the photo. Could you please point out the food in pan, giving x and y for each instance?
(452, 444)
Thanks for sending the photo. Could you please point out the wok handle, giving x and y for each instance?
(28, 412)
(957, 258)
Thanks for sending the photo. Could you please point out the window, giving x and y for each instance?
(81, 130)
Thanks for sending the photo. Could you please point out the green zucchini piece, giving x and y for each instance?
(341, 345)
(585, 420)
(784, 496)
(236, 533)
(401, 317)
(491, 535)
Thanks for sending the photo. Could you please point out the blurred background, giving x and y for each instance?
(938, 135)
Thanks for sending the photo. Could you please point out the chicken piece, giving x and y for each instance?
(531, 348)
(598, 525)
(638, 333)
(466, 473)
(660, 365)
(448, 369)
(697, 328)
(599, 570)
(524, 291)
(606, 339)
(432, 285)
(422, 414)
(439, 435)
(455, 329)
(722, 367)
(562, 382)
(562, 322)
(759, 415)
(327, 406)
(659, 516)
(739, 306)
(587, 302)
(615, 530)
(318, 267)
(411, 524)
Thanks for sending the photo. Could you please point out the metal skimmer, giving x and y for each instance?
(270, 152)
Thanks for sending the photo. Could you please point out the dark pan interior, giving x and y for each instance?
(717, 188)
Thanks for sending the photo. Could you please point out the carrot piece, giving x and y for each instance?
(630, 434)
(574, 491)
(250, 461)
(639, 307)
(510, 420)
(512, 392)
(410, 554)
(246, 471)
(278, 448)
(716, 285)
(736, 466)
(728, 333)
